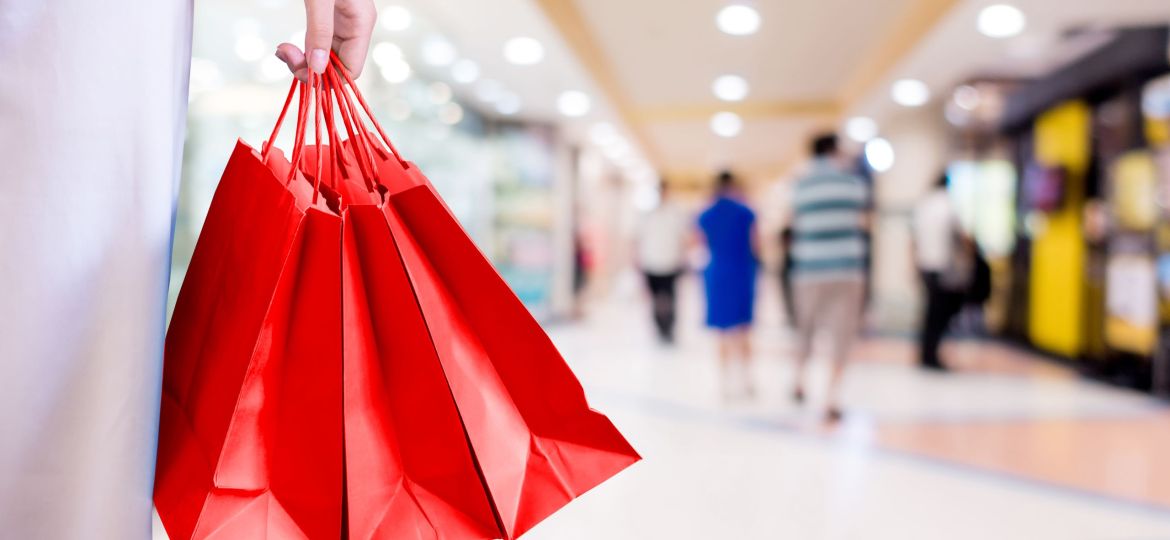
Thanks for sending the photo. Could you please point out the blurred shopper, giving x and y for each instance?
(728, 226)
(662, 238)
(829, 254)
(786, 275)
(93, 102)
(948, 264)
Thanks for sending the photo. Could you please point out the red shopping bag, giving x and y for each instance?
(325, 378)
(250, 432)
(537, 442)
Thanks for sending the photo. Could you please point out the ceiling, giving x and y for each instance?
(648, 65)
(812, 64)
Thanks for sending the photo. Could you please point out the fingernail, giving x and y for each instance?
(280, 55)
(318, 59)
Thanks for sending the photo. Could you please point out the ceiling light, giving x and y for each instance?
(861, 128)
(523, 51)
(508, 104)
(385, 53)
(437, 51)
(395, 18)
(573, 103)
(910, 92)
(1001, 21)
(730, 88)
(967, 97)
(738, 20)
(465, 71)
(396, 71)
(250, 48)
(726, 124)
(879, 153)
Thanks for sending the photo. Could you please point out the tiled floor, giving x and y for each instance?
(1008, 447)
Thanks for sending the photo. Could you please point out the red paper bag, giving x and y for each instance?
(250, 432)
(535, 439)
(409, 469)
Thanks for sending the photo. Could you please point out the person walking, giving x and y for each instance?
(662, 237)
(93, 101)
(946, 267)
(829, 253)
(729, 230)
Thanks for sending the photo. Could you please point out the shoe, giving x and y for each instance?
(833, 415)
(936, 367)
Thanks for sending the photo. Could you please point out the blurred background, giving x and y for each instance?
(553, 127)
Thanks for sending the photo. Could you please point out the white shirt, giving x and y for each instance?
(662, 239)
(93, 101)
(934, 231)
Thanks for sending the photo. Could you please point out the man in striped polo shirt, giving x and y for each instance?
(829, 254)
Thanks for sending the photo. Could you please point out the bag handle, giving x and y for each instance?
(340, 68)
(361, 149)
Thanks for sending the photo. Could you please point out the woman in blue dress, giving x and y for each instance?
(728, 227)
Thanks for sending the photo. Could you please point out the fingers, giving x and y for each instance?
(292, 56)
(355, 22)
(319, 33)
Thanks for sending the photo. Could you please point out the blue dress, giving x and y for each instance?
(730, 277)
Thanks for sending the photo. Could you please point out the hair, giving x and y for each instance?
(824, 144)
(942, 180)
(724, 182)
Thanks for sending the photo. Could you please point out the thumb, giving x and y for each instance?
(319, 33)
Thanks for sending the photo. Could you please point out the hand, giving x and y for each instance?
(340, 25)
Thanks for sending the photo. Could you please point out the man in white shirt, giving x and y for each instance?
(662, 237)
(936, 237)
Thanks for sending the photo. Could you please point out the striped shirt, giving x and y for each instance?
(829, 240)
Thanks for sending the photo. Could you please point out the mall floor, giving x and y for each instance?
(1007, 447)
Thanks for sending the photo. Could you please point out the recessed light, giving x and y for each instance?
(523, 51)
(385, 53)
(726, 124)
(738, 20)
(395, 18)
(730, 88)
(437, 51)
(1001, 21)
(396, 71)
(465, 71)
(861, 128)
(879, 153)
(574, 103)
(910, 92)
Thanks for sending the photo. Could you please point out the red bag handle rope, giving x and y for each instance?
(366, 107)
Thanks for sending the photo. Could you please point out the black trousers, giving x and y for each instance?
(662, 293)
(941, 307)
